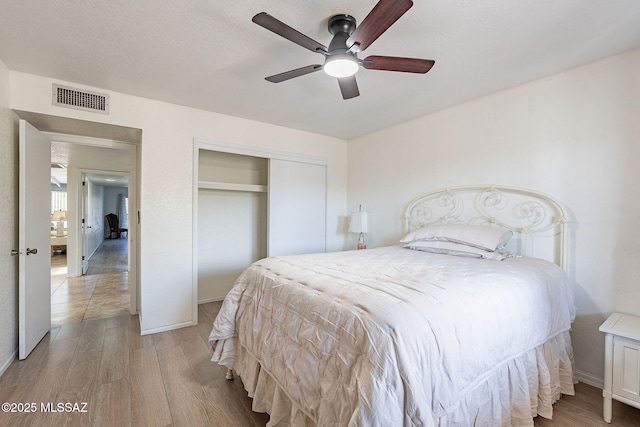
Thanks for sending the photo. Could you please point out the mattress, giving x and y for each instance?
(391, 336)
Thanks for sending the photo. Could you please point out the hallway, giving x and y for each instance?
(103, 292)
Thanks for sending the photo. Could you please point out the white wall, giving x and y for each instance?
(166, 173)
(232, 233)
(110, 205)
(8, 222)
(573, 135)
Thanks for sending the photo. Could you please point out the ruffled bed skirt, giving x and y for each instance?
(511, 394)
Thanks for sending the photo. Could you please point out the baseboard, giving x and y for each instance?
(8, 362)
(165, 328)
(592, 380)
(204, 301)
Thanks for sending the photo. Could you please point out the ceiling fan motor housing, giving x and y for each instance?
(341, 26)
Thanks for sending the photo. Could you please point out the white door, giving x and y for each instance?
(297, 207)
(34, 283)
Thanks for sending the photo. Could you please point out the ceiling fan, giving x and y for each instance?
(341, 57)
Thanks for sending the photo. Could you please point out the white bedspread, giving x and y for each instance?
(389, 336)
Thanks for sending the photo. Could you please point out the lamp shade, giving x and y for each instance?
(59, 216)
(359, 222)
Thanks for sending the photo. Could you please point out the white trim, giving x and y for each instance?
(165, 328)
(89, 140)
(207, 300)
(256, 151)
(227, 186)
(592, 380)
(194, 234)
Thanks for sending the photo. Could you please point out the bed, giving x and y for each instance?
(413, 334)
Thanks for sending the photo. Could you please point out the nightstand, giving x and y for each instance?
(621, 361)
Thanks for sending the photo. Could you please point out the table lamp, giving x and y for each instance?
(359, 223)
(59, 217)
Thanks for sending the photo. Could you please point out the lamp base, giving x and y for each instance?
(60, 229)
(361, 244)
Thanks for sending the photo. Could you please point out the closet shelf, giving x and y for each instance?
(229, 186)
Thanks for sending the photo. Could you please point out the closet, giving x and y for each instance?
(250, 204)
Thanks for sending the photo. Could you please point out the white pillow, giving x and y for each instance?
(457, 249)
(479, 236)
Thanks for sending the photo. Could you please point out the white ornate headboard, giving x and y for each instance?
(538, 221)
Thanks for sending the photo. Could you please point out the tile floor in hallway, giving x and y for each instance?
(101, 293)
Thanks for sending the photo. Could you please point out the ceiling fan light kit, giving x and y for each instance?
(342, 65)
(341, 58)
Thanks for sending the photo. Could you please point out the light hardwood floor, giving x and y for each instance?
(585, 410)
(167, 379)
(127, 379)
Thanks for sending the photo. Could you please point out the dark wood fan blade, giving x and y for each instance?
(277, 78)
(272, 24)
(381, 17)
(348, 87)
(394, 63)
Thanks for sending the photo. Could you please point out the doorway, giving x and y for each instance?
(101, 289)
(94, 146)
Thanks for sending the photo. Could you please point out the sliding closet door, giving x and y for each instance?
(297, 207)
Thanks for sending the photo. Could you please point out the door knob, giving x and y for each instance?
(15, 252)
(32, 251)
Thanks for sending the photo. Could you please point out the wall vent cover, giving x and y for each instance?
(64, 96)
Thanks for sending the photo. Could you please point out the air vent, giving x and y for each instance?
(69, 97)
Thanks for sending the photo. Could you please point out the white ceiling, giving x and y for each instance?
(59, 178)
(108, 180)
(99, 163)
(208, 54)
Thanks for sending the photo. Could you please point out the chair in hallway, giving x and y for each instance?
(114, 226)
